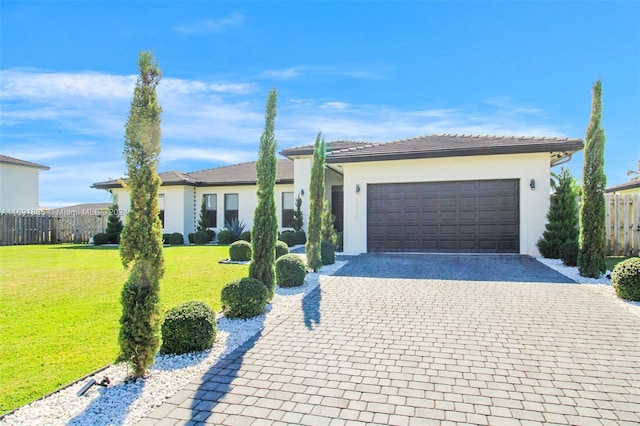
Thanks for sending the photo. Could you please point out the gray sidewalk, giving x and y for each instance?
(413, 352)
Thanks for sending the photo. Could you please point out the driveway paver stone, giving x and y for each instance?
(364, 350)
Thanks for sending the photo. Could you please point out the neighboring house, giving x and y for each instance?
(439, 193)
(19, 184)
(85, 209)
(229, 192)
(631, 187)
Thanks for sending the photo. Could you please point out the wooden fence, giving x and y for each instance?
(622, 224)
(49, 229)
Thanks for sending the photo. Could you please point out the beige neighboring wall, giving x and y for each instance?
(534, 204)
(19, 187)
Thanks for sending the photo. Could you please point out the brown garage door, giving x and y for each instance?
(466, 216)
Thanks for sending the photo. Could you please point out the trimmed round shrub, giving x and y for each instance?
(327, 253)
(569, 253)
(191, 237)
(189, 327)
(244, 298)
(281, 248)
(225, 237)
(101, 238)
(626, 279)
(201, 237)
(176, 239)
(240, 251)
(166, 238)
(289, 237)
(301, 237)
(246, 236)
(212, 234)
(290, 271)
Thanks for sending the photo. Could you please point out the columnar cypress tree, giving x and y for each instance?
(265, 221)
(562, 226)
(202, 222)
(141, 239)
(114, 224)
(591, 259)
(298, 221)
(316, 202)
(328, 232)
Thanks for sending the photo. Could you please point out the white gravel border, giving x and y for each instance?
(126, 403)
(600, 285)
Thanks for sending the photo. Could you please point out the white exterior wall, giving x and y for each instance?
(331, 178)
(18, 187)
(182, 205)
(301, 181)
(534, 204)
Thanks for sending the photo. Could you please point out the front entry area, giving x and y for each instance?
(480, 216)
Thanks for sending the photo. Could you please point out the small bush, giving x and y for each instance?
(246, 236)
(244, 298)
(327, 253)
(339, 241)
(281, 249)
(289, 237)
(301, 237)
(545, 248)
(201, 237)
(212, 234)
(191, 237)
(176, 239)
(165, 238)
(290, 271)
(240, 251)
(225, 237)
(101, 238)
(189, 327)
(626, 279)
(569, 253)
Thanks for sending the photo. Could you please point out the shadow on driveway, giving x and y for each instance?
(463, 267)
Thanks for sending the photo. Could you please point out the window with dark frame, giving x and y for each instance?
(287, 209)
(230, 208)
(211, 206)
(161, 208)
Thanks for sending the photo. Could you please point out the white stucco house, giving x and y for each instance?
(19, 184)
(439, 193)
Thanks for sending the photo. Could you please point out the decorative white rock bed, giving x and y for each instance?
(126, 404)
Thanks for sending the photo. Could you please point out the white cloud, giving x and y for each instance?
(334, 70)
(284, 74)
(215, 155)
(211, 25)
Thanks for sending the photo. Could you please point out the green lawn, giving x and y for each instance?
(612, 261)
(60, 306)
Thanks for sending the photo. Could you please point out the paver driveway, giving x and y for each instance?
(416, 351)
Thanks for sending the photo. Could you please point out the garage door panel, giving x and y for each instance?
(464, 216)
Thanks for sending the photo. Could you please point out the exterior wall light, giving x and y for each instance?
(357, 188)
(532, 184)
(302, 192)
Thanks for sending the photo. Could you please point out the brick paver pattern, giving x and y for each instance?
(417, 352)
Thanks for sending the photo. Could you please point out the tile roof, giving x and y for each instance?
(627, 185)
(330, 147)
(17, 162)
(454, 145)
(237, 174)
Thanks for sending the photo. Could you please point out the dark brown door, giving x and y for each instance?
(448, 217)
(337, 206)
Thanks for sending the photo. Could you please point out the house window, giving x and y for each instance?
(287, 209)
(211, 210)
(230, 207)
(161, 208)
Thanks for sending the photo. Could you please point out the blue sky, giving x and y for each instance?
(375, 71)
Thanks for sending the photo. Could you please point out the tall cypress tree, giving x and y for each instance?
(316, 202)
(591, 258)
(265, 221)
(141, 239)
(562, 226)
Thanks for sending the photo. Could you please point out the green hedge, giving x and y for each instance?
(281, 249)
(189, 327)
(626, 279)
(225, 237)
(327, 253)
(201, 237)
(100, 238)
(240, 251)
(289, 237)
(244, 298)
(290, 271)
(176, 239)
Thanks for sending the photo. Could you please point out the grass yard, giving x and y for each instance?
(60, 306)
(612, 261)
